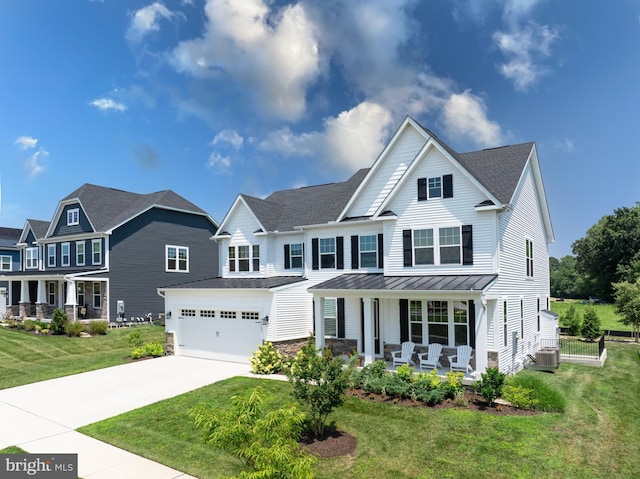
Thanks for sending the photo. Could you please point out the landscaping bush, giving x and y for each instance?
(137, 352)
(572, 321)
(59, 320)
(135, 339)
(519, 396)
(73, 328)
(590, 324)
(452, 385)
(30, 325)
(547, 398)
(490, 384)
(98, 327)
(267, 360)
(405, 373)
(154, 349)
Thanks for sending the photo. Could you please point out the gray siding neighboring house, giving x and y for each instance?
(104, 245)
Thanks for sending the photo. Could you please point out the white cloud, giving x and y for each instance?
(106, 104)
(465, 114)
(230, 137)
(272, 54)
(146, 20)
(26, 142)
(32, 164)
(523, 49)
(219, 163)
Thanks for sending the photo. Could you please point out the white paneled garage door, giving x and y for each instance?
(215, 338)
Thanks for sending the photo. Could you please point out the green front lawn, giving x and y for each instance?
(28, 358)
(609, 319)
(596, 437)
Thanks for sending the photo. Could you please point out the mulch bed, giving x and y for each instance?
(339, 443)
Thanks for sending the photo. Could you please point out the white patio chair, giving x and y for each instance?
(432, 360)
(461, 360)
(404, 355)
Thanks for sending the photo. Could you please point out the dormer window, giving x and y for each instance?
(73, 216)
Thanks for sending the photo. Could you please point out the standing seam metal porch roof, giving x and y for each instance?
(380, 282)
(238, 283)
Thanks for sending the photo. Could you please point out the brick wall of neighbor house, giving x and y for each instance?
(169, 349)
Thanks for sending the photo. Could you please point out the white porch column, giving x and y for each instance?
(369, 347)
(481, 336)
(24, 291)
(71, 303)
(42, 291)
(319, 320)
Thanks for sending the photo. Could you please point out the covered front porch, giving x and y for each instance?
(37, 295)
(373, 315)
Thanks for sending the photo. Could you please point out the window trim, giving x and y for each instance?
(73, 216)
(98, 295)
(334, 318)
(293, 256)
(30, 257)
(362, 251)
(3, 258)
(94, 252)
(62, 255)
(505, 322)
(51, 258)
(51, 293)
(420, 318)
(334, 253)
(255, 257)
(437, 245)
(79, 288)
(177, 259)
(84, 254)
(529, 257)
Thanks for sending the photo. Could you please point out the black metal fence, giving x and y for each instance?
(578, 347)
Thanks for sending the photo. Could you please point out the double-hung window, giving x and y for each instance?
(423, 247)
(177, 258)
(529, 255)
(255, 257)
(31, 258)
(415, 321)
(243, 258)
(327, 253)
(73, 216)
(79, 253)
(450, 245)
(96, 251)
(504, 322)
(295, 255)
(369, 251)
(65, 254)
(5, 263)
(80, 293)
(232, 258)
(97, 297)
(51, 255)
(434, 186)
(461, 323)
(330, 316)
(52, 292)
(438, 319)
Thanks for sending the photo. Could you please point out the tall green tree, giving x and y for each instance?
(627, 297)
(564, 278)
(610, 252)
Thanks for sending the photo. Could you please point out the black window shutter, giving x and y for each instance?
(313, 316)
(422, 189)
(287, 259)
(472, 323)
(339, 252)
(340, 302)
(355, 263)
(447, 186)
(407, 249)
(362, 324)
(315, 256)
(467, 244)
(380, 251)
(404, 320)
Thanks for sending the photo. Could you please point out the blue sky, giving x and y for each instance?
(213, 98)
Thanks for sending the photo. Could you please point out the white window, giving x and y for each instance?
(255, 257)
(330, 316)
(177, 258)
(438, 319)
(529, 255)
(435, 187)
(65, 254)
(232, 258)
(450, 245)
(73, 217)
(79, 253)
(327, 253)
(244, 258)
(369, 251)
(423, 248)
(415, 321)
(461, 323)
(80, 293)
(436, 322)
(31, 256)
(5, 263)
(295, 254)
(504, 321)
(52, 293)
(97, 296)
(51, 255)
(96, 251)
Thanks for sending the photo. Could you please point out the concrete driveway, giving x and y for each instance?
(41, 417)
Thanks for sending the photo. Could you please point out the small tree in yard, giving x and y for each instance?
(590, 324)
(59, 321)
(572, 321)
(267, 443)
(319, 382)
(627, 297)
(490, 386)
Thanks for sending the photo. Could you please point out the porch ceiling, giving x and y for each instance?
(380, 282)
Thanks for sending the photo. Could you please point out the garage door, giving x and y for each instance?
(224, 339)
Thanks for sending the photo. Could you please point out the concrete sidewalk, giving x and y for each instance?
(41, 417)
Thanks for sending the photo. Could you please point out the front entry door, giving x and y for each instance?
(376, 324)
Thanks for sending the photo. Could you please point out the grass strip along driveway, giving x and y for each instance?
(28, 358)
(596, 437)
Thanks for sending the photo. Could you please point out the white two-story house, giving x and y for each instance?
(428, 245)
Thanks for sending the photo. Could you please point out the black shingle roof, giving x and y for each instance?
(108, 207)
(9, 236)
(380, 282)
(39, 228)
(239, 283)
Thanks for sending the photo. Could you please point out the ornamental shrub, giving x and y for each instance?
(267, 359)
(135, 339)
(98, 327)
(30, 325)
(490, 384)
(519, 396)
(58, 321)
(153, 349)
(591, 324)
(405, 373)
(572, 321)
(137, 353)
(73, 328)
